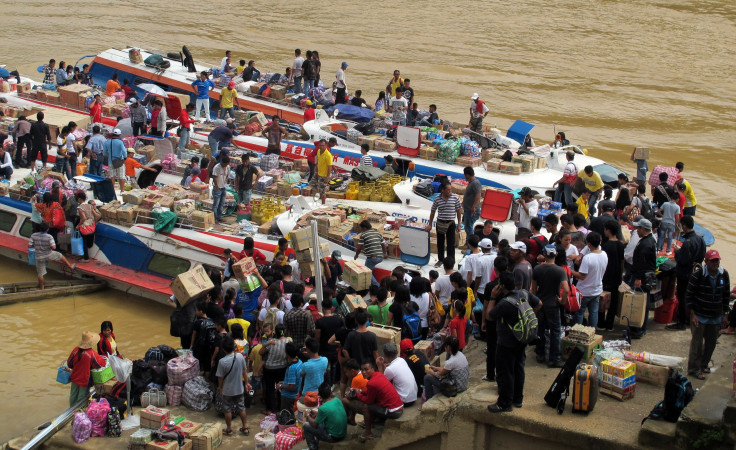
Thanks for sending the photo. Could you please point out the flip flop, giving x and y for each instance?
(706, 370)
(700, 376)
(227, 432)
(363, 438)
(245, 431)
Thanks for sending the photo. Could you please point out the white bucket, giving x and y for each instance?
(265, 441)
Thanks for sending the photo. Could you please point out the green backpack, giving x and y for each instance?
(525, 329)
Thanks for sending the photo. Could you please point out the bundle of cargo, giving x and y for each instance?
(618, 378)
(449, 151)
(510, 168)
(384, 145)
(527, 162)
(301, 239)
(428, 153)
(357, 275)
(191, 285)
(351, 302)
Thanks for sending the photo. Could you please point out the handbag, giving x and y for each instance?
(64, 374)
(118, 162)
(434, 319)
(220, 405)
(448, 387)
(649, 282)
(438, 306)
(153, 397)
(77, 244)
(88, 229)
(442, 227)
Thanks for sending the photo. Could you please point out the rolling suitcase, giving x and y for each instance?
(585, 388)
(560, 389)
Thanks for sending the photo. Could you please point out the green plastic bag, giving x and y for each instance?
(165, 222)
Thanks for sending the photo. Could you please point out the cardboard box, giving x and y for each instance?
(353, 302)
(134, 197)
(153, 417)
(127, 213)
(203, 219)
(278, 92)
(265, 227)
(106, 387)
(618, 382)
(255, 88)
(208, 437)
(428, 153)
(260, 118)
(357, 275)
(425, 347)
(307, 256)
(325, 223)
(620, 394)
(618, 367)
(595, 344)
(649, 373)
(306, 269)
(69, 95)
(370, 140)
(53, 97)
(162, 445)
(56, 176)
(633, 306)
(641, 153)
(24, 86)
(284, 190)
(244, 267)
(188, 427)
(384, 145)
(385, 334)
(336, 194)
(301, 239)
(191, 285)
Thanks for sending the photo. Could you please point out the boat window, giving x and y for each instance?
(609, 174)
(7, 220)
(26, 230)
(168, 265)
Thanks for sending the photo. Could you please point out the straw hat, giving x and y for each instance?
(89, 340)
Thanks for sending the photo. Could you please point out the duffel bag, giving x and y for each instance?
(182, 369)
(196, 394)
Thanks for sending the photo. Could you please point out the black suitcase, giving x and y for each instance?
(557, 393)
(104, 190)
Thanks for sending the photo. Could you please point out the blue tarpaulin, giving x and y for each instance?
(519, 130)
(354, 113)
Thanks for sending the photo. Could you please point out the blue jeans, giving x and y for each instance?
(308, 84)
(214, 144)
(226, 111)
(62, 165)
(665, 232)
(95, 165)
(592, 201)
(549, 319)
(183, 140)
(6, 172)
(72, 167)
(371, 263)
(591, 304)
(469, 221)
(297, 85)
(315, 434)
(218, 200)
(245, 195)
(564, 194)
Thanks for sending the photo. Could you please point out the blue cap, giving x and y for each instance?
(549, 250)
(344, 64)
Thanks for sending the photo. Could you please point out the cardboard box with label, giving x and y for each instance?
(641, 153)
(353, 302)
(154, 418)
(244, 267)
(306, 256)
(203, 219)
(595, 344)
(208, 437)
(425, 347)
(301, 239)
(357, 275)
(306, 269)
(385, 334)
(649, 373)
(188, 427)
(191, 285)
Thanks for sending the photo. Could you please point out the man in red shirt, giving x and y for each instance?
(185, 124)
(95, 110)
(310, 112)
(380, 398)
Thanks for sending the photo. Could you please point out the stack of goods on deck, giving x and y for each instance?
(618, 378)
(25, 188)
(78, 97)
(584, 338)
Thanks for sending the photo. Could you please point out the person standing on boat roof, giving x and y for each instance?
(23, 138)
(394, 84)
(112, 85)
(478, 111)
(341, 84)
(471, 202)
(115, 149)
(365, 160)
(220, 175)
(296, 69)
(641, 169)
(244, 178)
(528, 207)
(274, 132)
(372, 244)
(447, 206)
(323, 169)
(185, 124)
(565, 183)
(41, 137)
(138, 117)
(309, 73)
(223, 62)
(203, 86)
(228, 98)
(398, 107)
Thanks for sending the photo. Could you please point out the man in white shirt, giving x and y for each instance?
(590, 279)
(528, 207)
(469, 269)
(223, 63)
(398, 373)
(341, 85)
(296, 71)
(398, 107)
(443, 287)
(484, 266)
(220, 176)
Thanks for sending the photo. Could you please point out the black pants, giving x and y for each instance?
(22, 141)
(332, 375)
(510, 378)
(448, 236)
(732, 318)
(43, 150)
(683, 315)
(270, 378)
(491, 352)
(605, 318)
(340, 96)
(139, 128)
(89, 241)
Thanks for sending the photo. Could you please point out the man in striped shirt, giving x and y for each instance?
(365, 160)
(447, 207)
(372, 244)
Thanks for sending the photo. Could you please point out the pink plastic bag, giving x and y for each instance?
(81, 428)
(182, 369)
(97, 413)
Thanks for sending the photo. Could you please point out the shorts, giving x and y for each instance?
(118, 173)
(383, 413)
(234, 403)
(41, 263)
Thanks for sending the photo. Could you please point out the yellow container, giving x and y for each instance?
(364, 194)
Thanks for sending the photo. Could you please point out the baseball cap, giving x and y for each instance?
(130, 150)
(475, 96)
(549, 250)
(485, 243)
(308, 103)
(133, 100)
(404, 346)
(117, 132)
(518, 245)
(337, 254)
(644, 223)
(712, 254)
(231, 84)
(344, 64)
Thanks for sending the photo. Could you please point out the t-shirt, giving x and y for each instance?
(594, 266)
(459, 369)
(220, 176)
(222, 134)
(42, 242)
(279, 315)
(669, 211)
(96, 143)
(296, 67)
(471, 191)
(523, 274)
(232, 384)
(483, 269)
(416, 362)
(398, 113)
(423, 303)
(203, 88)
(525, 217)
(381, 392)
(401, 376)
(689, 194)
(358, 101)
(328, 325)
(474, 110)
(314, 373)
(614, 273)
(379, 314)
(332, 414)
(444, 288)
(242, 322)
(470, 263)
(446, 209)
(459, 324)
(571, 251)
(246, 176)
(130, 165)
(361, 345)
(582, 206)
(366, 160)
(592, 182)
(111, 87)
(274, 136)
(372, 241)
(324, 163)
(228, 97)
(408, 95)
(493, 236)
(548, 278)
(507, 315)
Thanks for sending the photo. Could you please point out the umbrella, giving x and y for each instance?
(152, 88)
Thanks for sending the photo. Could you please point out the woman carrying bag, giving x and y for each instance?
(88, 218)
(82, 360)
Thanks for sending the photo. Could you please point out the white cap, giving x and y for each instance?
(518, 245)
(117, 132)
(133, 100)
(475, 96)
(485, 243)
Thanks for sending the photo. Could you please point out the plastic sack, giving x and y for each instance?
(652, 358)
(31, 256)
(165, 222)
(120, 367)
(182, 369)
(77, 244)
(97, 414)
(81, 428)
(197, 394)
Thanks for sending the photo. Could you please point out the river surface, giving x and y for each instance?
(611, 74)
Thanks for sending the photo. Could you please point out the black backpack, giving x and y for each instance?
(646, 208)
(158, 372)
(677, 394)
(168, 352)
(153, 354)
(210, 333)
(424, 188)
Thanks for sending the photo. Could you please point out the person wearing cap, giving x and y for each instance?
(398, 107)
(81, 361)
(310, 112)
(113, 150)
(563, 192)
(528, 207)
(398, 373)
(644, 263)
(590, 279)
(131, 164)
(220, 137)
(478, 111)
(273, 131)
(522, 269)
(594, 184)
(691, 254)
(203, 85)
(483, 267)
(549, 283)
(341, 84)
(138, 117)
(707, 298)
(447, 207)
(228, 99)
(416, 361)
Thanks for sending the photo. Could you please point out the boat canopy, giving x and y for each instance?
(519, 130)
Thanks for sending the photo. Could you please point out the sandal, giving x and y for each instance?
(363, 438)
(227, 432)
(361, 424)
(706, 370)
(700, 375)
(245, 431)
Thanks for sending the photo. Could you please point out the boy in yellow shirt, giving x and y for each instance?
(583, 203)
(228, 96)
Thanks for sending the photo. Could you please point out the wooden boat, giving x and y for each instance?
(29, 291)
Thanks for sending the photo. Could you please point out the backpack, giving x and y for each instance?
(154, 354)
(157, 62)
(210, 333)
(424, 188)
(168, 352)
(646, 208)
(411, 327)
(532, 253)
(677, 394)
(271, 318)
(58, 219)
(525, 330)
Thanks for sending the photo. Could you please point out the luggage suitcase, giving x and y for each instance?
(559, 391)
(585, 388)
